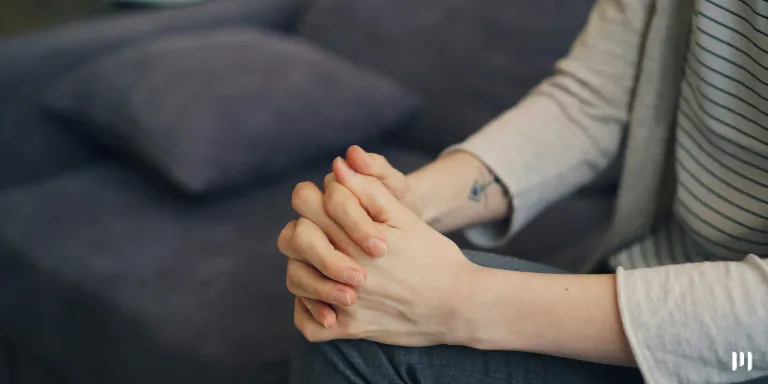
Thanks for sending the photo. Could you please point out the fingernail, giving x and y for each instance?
(325, 323)
(341, 298)
(376, 247)
(353, 278)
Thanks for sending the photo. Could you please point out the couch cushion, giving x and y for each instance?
(113, 280)
(471, 59)
(32, 146)
(217, 109)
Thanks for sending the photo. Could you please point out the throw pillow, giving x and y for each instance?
(216, 109)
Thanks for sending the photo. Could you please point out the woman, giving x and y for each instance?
(366, 260)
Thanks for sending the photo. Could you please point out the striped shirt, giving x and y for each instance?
(721, 149)
(658, 73)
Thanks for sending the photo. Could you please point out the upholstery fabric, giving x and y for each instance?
(114, 280)
(30, 369)
(5, 372)
(32, 146)
(217, 109)
(470, 59)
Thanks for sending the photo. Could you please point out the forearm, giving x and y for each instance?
(573, 316)
(456, 191)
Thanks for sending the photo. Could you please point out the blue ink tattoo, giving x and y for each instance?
(479, 188)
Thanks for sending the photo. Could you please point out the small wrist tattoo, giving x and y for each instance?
(478, 191)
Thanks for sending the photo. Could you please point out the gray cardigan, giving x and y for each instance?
(615, 97)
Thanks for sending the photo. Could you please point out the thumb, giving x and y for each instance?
(375, 198)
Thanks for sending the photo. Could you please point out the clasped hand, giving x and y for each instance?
(364, 266)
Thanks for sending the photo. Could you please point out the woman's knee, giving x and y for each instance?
(342, 361)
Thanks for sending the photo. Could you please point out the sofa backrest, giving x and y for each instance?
(470, 59)
(32, 145)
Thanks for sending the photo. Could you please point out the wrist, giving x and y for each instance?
(417, 198)
(459, 325)
(482, 317)
(442, 191)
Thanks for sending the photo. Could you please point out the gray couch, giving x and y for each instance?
(105, 277)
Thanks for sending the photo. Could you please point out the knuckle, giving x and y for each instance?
(308, 285)
(303, 239)
(284, 239)
(292, 279)
(379, 159)
(289, 282)
(382, 164)
(310, 335)
(335, 200)
(282, 243)
(329, 178)
(379, 212)
(387, 170)
(306, 247)
(302, 194)
(300, 227)
(398, 185)
(334, 189)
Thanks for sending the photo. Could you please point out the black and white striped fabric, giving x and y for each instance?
(721, 159)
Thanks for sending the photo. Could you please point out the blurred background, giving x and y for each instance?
(19, 16)
(149, 149)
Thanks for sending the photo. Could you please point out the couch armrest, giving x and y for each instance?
(33, 146)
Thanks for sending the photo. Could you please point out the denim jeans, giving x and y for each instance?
(360, 361)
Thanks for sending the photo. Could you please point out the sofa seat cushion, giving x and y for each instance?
(217, 109)
(471, 59)
(114, 280)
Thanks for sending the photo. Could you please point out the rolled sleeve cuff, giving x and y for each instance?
(493, 234)
(683, 321)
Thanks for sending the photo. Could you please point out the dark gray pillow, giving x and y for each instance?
(215, 109)
(470, 59)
